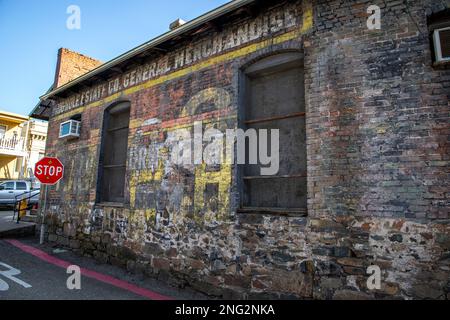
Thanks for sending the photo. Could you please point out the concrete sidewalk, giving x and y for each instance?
(9, 228)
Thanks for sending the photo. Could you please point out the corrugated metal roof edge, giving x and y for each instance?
(220, 11)
(33, 114)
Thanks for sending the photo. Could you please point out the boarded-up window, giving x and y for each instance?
(114, 153)
(274, 98)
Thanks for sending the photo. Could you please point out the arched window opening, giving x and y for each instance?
(274, 98)
(114, 150)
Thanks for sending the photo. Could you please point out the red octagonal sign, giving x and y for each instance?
(49, 170)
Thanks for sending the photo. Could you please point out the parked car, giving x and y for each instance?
(13, 190)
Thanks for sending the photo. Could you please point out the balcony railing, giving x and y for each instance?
(12, 145)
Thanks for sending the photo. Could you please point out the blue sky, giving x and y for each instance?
(32, 31)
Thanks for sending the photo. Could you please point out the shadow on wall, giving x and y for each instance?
(5, 172)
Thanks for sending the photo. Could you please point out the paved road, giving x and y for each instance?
(6, 215)
(41, 278)
(8, 227)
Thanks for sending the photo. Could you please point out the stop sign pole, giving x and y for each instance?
(48, 171)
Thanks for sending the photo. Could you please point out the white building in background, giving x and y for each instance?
(22, 144)
(37, 138)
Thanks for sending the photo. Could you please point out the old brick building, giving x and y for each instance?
(364, 155)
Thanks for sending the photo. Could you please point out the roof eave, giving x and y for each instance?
(33, 114)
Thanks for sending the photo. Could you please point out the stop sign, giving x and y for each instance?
(49, 170)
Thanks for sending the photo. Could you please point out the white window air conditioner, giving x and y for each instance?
(70, 129)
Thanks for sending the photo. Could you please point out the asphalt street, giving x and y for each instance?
(5, 215)
(27, 276)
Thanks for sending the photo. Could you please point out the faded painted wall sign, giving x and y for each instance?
(251, 30)
(152, 164)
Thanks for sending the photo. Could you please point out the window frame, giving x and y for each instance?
(437, 44)
(122, 106)
(268, 64)
(6, 130)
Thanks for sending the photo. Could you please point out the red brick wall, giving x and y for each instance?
(72, 65)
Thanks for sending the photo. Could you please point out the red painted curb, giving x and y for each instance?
(89, 273)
